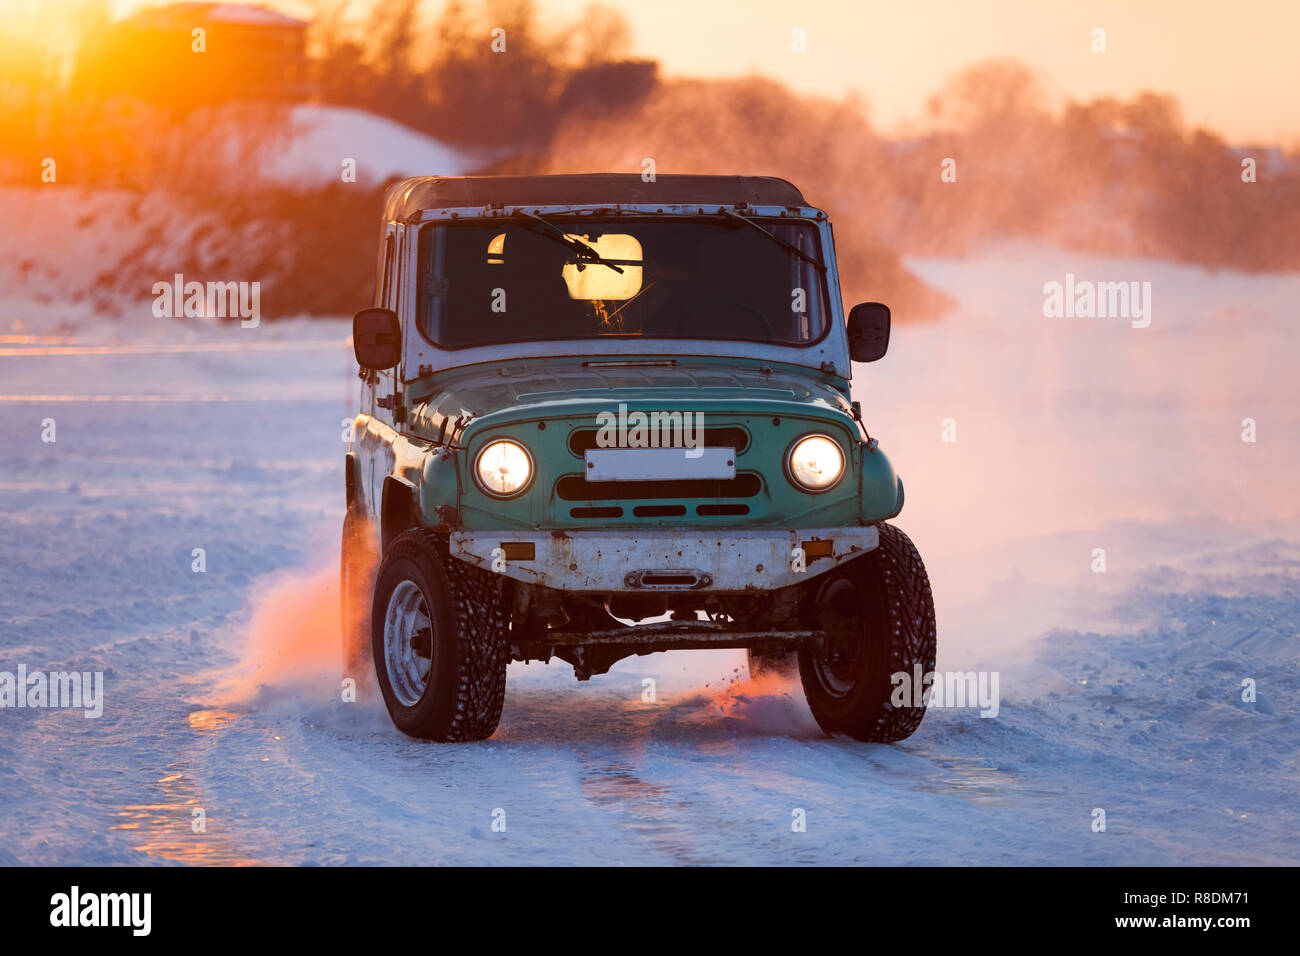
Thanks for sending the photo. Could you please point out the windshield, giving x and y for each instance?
(532, 279)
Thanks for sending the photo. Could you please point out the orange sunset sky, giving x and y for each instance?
(1234, 66)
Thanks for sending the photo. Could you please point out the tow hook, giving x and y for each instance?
(667, 579)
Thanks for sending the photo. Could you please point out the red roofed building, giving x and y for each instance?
(192, 54)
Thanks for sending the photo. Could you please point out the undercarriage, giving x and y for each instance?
(592, 631)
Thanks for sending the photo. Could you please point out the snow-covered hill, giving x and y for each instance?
(323, 137)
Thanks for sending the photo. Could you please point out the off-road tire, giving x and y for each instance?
(896, 633)
(467, 675)
(357, 560)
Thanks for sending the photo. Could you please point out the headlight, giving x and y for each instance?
(504, 468)
(815, 463)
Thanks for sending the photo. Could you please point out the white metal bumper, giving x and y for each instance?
(637, 561)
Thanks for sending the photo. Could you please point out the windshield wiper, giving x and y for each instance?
(583, 251)
(787, 246)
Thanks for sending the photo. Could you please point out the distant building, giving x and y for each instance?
(193, 54)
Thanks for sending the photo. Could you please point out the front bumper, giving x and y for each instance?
(668, 560)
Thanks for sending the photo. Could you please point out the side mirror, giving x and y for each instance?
(377, 338)
(868, 331)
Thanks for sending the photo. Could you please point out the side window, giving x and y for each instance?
(432, 291)
(805, 285)
(380, 386)
(399, 270)
(386, 285)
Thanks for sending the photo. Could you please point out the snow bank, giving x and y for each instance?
(322, 137)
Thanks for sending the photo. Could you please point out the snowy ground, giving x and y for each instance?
(1119, 690)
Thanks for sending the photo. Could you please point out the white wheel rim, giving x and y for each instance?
(405, 620)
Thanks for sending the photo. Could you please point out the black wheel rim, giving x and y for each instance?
(838, 656)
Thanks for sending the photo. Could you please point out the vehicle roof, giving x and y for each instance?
(408, 198)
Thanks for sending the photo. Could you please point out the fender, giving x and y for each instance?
(400, 509)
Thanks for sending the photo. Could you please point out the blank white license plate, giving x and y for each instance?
(649, 464)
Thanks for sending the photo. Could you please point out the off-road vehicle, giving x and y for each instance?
(603, 416)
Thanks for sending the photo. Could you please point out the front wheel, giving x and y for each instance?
(877, 617)
(438, 635)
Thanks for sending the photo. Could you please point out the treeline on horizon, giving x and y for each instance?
(1124, 177)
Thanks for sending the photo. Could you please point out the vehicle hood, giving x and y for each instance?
(443, 406)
